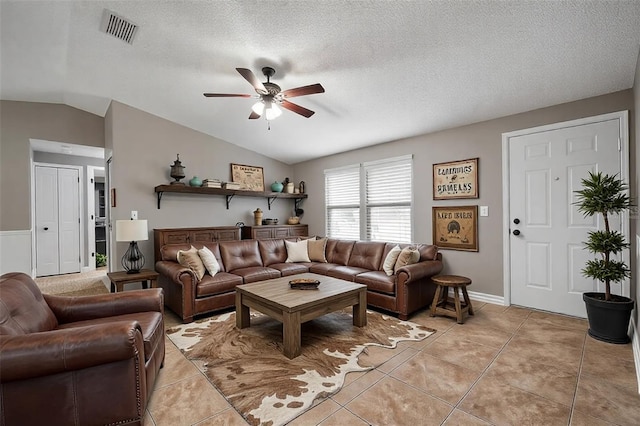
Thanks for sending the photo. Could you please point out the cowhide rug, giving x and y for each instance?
(267, 388)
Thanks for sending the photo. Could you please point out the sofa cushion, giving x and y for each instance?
(316, 250)
(347, 273)
(240, 254)
(378, 281)
(297, 251)
(272, 251)
(322, 268)
(151, 324)
(252, 274)
(209, 260)
(390, 260)
(23, 310)
(222, 282)
(366, 255)
(339, 251)
(408, 256)
(428, 252)
(287, 269)
(190, 259)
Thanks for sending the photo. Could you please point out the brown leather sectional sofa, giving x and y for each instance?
(246, 261)
(89, 360)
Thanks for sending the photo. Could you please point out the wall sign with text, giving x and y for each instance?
(456, 179)
(250, 178)
(456, 227)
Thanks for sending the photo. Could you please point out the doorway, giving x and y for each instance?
(544, 232)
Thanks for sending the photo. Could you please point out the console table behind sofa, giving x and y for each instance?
(166, 236)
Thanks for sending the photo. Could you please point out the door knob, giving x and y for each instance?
(516, 221)
(46, 228)
(516, 232)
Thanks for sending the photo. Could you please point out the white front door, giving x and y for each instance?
(547, 232)
(57, 220)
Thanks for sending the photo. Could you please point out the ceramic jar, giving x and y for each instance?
(277, 186)
(257, 217)
(289, 188)
(195, 181)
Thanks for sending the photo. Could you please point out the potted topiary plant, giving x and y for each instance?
(608, 314)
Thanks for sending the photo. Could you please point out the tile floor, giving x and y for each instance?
(504, 366)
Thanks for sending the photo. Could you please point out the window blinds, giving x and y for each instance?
(371, 201)
(342, 201)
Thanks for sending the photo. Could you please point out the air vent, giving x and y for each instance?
(118, 26)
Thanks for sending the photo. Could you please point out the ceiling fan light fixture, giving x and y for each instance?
(258, 107)
(272, 111)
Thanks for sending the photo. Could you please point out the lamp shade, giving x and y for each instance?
(131, 230)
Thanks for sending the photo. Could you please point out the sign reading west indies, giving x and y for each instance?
(456, 179)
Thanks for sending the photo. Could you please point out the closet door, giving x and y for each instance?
(57, 220)
(46, 221)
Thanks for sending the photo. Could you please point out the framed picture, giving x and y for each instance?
(456, 179)
(250, 178)
(456, 228)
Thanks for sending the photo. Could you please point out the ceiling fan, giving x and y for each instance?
(271, 95)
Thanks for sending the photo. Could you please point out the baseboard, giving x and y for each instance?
(487, 298)
(635, 344)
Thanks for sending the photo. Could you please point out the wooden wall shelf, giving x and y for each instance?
(228, 193)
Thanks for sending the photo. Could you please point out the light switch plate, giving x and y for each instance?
(484, 210)
(134, 214)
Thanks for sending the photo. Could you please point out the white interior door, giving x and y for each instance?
(57, 206)
(547, 254)
(46, 221)
(69, 220)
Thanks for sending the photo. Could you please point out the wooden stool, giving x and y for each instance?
(443, 305)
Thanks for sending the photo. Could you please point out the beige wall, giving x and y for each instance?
(20, 121)
(483, 140)
(144, 146)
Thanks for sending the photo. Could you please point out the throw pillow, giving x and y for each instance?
(190, 259)
(209, 260)
(316, 250)
(297, 251)
(390, 260)
(407, 256)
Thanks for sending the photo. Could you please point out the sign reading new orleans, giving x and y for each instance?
(456, 179)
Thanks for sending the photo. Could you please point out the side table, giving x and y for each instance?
(443, 305)
(120, 278)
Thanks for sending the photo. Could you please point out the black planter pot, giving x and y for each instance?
(608, 320)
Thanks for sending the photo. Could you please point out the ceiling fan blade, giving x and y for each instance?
(226, 95)
(251, 78)
(253, 115)
(304, 90)
(297, 108)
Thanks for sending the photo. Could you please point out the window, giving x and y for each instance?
(370, 201)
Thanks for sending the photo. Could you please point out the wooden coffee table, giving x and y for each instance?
(293, 307)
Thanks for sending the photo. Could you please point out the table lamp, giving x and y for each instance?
(132, 231)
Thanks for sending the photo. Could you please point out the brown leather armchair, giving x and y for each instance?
(77, 360)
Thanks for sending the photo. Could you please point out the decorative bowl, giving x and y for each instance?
(293, 220)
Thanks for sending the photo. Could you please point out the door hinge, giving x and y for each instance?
(78, 179)
(619, 144)
(91, 180)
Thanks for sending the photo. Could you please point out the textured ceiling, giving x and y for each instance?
(390, 69)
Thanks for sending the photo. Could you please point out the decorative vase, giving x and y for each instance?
(277, 187)
(177, 171)
(195, 181)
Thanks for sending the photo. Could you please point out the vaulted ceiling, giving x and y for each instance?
(391, 69)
